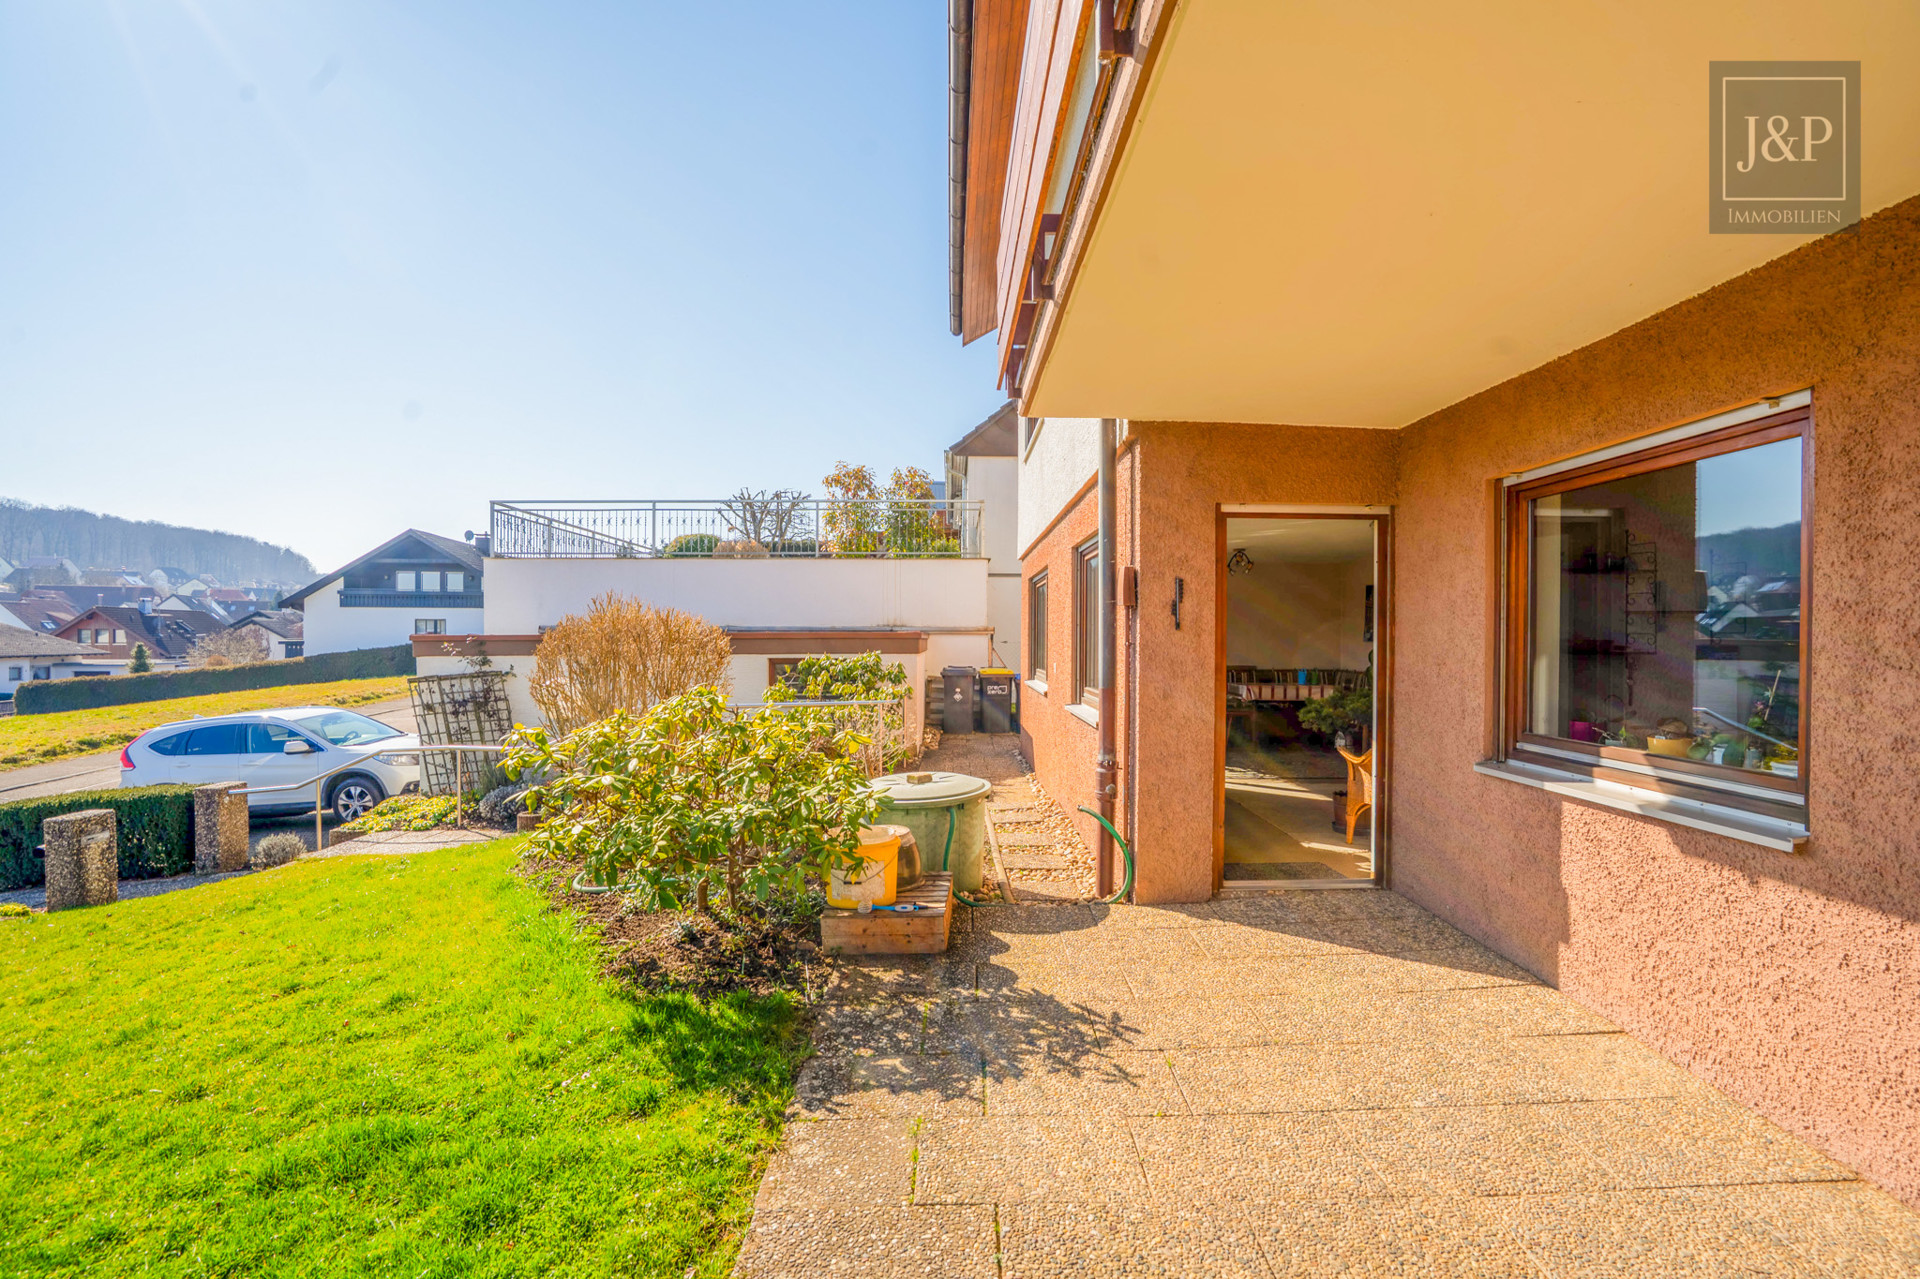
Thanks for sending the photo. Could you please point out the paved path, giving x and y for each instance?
(1302, 1083)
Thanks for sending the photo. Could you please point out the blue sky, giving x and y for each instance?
(317, 272)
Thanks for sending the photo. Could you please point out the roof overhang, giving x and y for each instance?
(1354, 215)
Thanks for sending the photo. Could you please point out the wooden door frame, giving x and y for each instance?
(1383, 665)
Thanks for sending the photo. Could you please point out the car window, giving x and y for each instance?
(269, 739)
(171, 745)
(344, 728)
(218, 739)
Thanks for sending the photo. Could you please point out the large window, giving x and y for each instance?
(1037, 627)
(1657, 628)
(1086, 620)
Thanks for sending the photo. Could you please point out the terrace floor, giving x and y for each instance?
(1302, 1083)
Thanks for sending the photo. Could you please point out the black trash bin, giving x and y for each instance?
(996, 701)
(956, 713)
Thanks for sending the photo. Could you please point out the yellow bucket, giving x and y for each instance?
(875, 879)
(1674, 746)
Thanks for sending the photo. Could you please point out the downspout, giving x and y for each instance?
(959, 86)
(1106, 770)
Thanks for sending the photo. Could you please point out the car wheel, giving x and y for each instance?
(355, 796)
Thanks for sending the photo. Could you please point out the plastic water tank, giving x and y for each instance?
(947, 813)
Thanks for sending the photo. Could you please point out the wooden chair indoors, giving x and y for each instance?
(1359, 786)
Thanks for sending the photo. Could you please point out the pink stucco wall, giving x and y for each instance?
(1790, 982)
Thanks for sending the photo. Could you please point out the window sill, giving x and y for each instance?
(1081, 711)
(1751, 828)
(1037, 685)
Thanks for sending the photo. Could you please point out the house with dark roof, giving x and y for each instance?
(36, 611)
(27, 655)
(168, 636)
(414, 584)
(282, 629)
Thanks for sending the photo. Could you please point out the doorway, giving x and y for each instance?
(1303, 638)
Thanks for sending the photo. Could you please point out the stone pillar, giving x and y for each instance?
(83, 858)
(219, 828)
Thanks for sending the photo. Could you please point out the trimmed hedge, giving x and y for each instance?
(155, 831)
(43, 697)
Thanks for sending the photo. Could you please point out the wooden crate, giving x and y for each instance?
(889, 932)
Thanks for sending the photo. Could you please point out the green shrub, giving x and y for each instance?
(46, 696)
(690, 801)
(691, 544)
(405, 812)
(155, 831)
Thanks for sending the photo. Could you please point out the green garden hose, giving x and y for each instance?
(1128, 852)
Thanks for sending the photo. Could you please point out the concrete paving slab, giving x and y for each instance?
(1601, 1067)
(1847, 1228)
(1054, 1241)
(1110, 1082)
(1652, 1234)
(1504, 1010)
(1401, 1238)
(1027, 1159)
(1123, 917)
(855, 1087)
(829, 1163)
(1470, 1150)
(1249, 1158)
(1665, 1141)
(891, 1025)
(951, 1241)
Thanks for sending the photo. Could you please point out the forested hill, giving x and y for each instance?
(107, 541)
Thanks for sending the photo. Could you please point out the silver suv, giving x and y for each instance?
(279, 748)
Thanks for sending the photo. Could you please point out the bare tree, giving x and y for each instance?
(766, 518)
(228, 648)
(623, 655)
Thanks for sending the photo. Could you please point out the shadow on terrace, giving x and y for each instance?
(1032, 999)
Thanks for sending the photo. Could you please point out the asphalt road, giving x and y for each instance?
(102, 772)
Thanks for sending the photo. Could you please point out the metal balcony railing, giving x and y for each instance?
(788, 528)
(408, 599)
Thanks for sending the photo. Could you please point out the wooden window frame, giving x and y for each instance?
(1086, 605)
(1037, 626)
(778, 668)
(1759, 792)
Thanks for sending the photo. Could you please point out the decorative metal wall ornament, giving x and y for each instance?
(1240, 562)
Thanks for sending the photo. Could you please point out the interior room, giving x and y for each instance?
(1300, 655)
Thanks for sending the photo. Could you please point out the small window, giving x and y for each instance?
(169, 746)
(456, 581)
(14, 672)
(1657, 610)
(1037, 626)
(218, 739)
(780, 670)
(429, 626)
(43, 672)
(83, 636)
(119, 637)
(1086, 638)
(430, 581)
(404, 580)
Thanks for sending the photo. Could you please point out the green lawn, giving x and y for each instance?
(368, 1066)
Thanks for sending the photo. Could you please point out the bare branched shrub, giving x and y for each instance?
(623, 655)
(228, 648)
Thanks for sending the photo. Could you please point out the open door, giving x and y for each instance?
(1304, 645)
